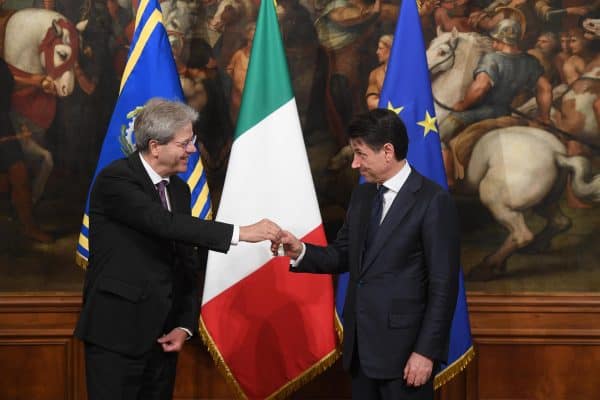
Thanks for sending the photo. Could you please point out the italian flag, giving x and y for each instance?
(269, 330)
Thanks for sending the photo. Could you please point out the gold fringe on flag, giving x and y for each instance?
(440, 379)
(308, 375)
(291, 386)
(220, 362)
(81, 261)
(454, 369)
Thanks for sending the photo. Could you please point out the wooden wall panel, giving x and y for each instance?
(35, 369)
(197, 375)
(528, 347)
(539, 371)
(537, 347)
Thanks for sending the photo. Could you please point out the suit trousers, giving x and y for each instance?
(114, 376)
(367, 388)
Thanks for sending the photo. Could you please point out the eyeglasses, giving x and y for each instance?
(186, 143)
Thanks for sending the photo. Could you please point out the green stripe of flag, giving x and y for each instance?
(267, 85)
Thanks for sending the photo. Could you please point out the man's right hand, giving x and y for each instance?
(262, 230)
(47, 85)
(292, 247)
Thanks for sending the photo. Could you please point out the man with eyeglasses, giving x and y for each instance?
(140, 297)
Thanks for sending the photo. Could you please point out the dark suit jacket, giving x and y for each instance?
(402, 292)
(142, 277)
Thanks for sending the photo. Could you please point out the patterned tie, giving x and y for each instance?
(162, 192)
(375, 219)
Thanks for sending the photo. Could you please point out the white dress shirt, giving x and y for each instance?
(394, 184)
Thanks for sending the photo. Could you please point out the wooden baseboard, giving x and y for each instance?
(529, 346)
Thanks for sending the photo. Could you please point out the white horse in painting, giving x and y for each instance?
(41, 48)
(519, 168)
(39, 41)
(512, 169)
(452, 58)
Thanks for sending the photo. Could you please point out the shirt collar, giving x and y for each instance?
(396, 182)
(155, 177)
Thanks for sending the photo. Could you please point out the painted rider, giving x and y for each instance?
(500, 76)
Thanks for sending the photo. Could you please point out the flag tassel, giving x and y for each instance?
(286, 390)
(454, 369)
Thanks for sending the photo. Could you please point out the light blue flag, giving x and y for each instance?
(150, 72)
(407, 91)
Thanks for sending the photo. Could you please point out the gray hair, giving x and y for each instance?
(159, 120)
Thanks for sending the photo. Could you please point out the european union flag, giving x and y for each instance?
(407, 91)
(150, 72)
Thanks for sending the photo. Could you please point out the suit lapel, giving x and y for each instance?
(148, 186)
(404, 201)
(142, 175)
(363, 223)
(177, 201)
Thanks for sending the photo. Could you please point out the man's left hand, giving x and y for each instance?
(173, 341)
(418, 370)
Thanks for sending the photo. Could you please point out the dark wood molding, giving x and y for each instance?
(570, 318)
(509, 332)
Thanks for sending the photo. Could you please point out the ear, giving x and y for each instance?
(454, 32)
(390, 152)
(57, 28)
(153, 148)
(438, 30)
(454, 37)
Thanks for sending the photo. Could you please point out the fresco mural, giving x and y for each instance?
(515, 82)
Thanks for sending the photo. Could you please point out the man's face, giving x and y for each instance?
(576, 44)
(173, 155)
(545, 45)
(383, 52)
(373, 165)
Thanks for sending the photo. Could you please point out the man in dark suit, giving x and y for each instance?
(140, 298)
(400, 242)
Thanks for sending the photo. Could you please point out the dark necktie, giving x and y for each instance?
(375, 219)
(162, 192)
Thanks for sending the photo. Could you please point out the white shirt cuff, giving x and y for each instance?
(186, 330)
(235, 238)
(294, 263)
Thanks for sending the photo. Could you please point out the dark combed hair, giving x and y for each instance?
(378, 127)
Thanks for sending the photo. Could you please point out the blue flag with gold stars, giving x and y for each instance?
(407, 91)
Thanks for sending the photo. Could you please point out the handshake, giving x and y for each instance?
(280, 239)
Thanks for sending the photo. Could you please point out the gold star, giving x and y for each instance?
(397, 110)
(428, 123)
